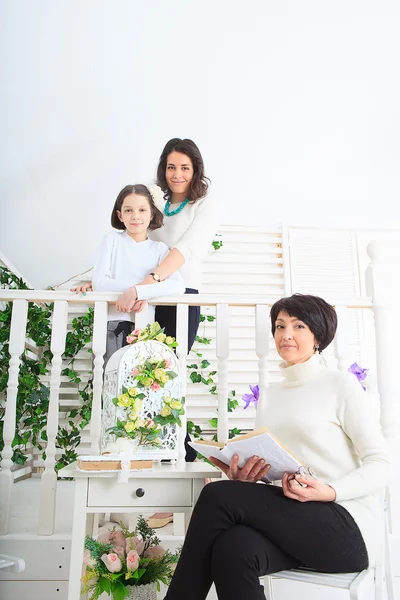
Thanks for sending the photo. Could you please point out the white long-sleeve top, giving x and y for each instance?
(191, 231)
(121, 263)
(329, 423)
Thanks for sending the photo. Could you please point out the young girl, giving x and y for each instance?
(127, 256)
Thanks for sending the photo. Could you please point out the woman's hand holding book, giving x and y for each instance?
(302, 489)
(254, 470)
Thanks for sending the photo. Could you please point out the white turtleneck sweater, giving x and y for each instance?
(191, 231)
(329, 423)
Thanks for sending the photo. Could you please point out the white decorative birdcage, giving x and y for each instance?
(118, 377)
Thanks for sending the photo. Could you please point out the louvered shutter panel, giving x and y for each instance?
(324, 262)
(249, 262)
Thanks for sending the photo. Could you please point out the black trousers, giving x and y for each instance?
(240, 531)
(166, 317)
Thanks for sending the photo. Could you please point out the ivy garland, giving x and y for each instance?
(33, 395)
(199, 374)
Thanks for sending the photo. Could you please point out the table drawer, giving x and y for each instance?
(140, 492)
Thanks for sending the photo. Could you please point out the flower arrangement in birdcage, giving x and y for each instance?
(120, 560)
(151, 375)
(152, 331)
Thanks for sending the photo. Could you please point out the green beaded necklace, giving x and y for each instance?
(171, 213)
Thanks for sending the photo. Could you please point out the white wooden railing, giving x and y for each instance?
(380, 301)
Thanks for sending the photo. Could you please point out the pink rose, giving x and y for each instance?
(120, 551)
(117, 538)
(155, 387)
(112, 562)
(167, 363)
(150, 424)
(134, 543)
(154, 552)
(135, 372)
(104, 538)
(136, 332)
(88, 561)
(132, 560)
(130, 339)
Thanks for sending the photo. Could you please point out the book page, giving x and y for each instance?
(263, 445)
(208, 450)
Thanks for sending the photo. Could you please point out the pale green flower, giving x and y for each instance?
(175, 404)
(124, 400)
(137, 405)
(159, 374)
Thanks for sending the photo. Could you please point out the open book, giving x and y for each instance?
(257, 443)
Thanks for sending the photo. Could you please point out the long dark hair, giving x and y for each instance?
(199, 184)
(157, 218)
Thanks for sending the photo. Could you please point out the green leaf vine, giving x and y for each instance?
(33, 395)
(199, 373)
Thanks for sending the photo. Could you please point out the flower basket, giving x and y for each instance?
(143, 592)
(126, 564)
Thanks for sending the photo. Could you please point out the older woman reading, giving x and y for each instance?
(242, 529)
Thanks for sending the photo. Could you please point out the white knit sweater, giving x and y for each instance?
(191, 231)
(329, 423)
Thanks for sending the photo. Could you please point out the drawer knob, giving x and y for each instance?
(140, 492)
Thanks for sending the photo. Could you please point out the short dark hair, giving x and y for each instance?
(320, 316)
(199, 184)
(157, 219)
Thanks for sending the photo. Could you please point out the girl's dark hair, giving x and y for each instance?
(320, 316)
(157, 219)
(199, 184)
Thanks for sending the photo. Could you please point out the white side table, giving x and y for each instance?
(165, 488)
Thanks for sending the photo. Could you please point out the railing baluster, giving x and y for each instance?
(16, 348)
(222, 356)
(99, 348)
(143, 317)
(381, 287)
(342, 338)
(48, 484)
(262, 349)
(182, 312)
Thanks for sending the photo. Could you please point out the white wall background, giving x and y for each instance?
(295, 106)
